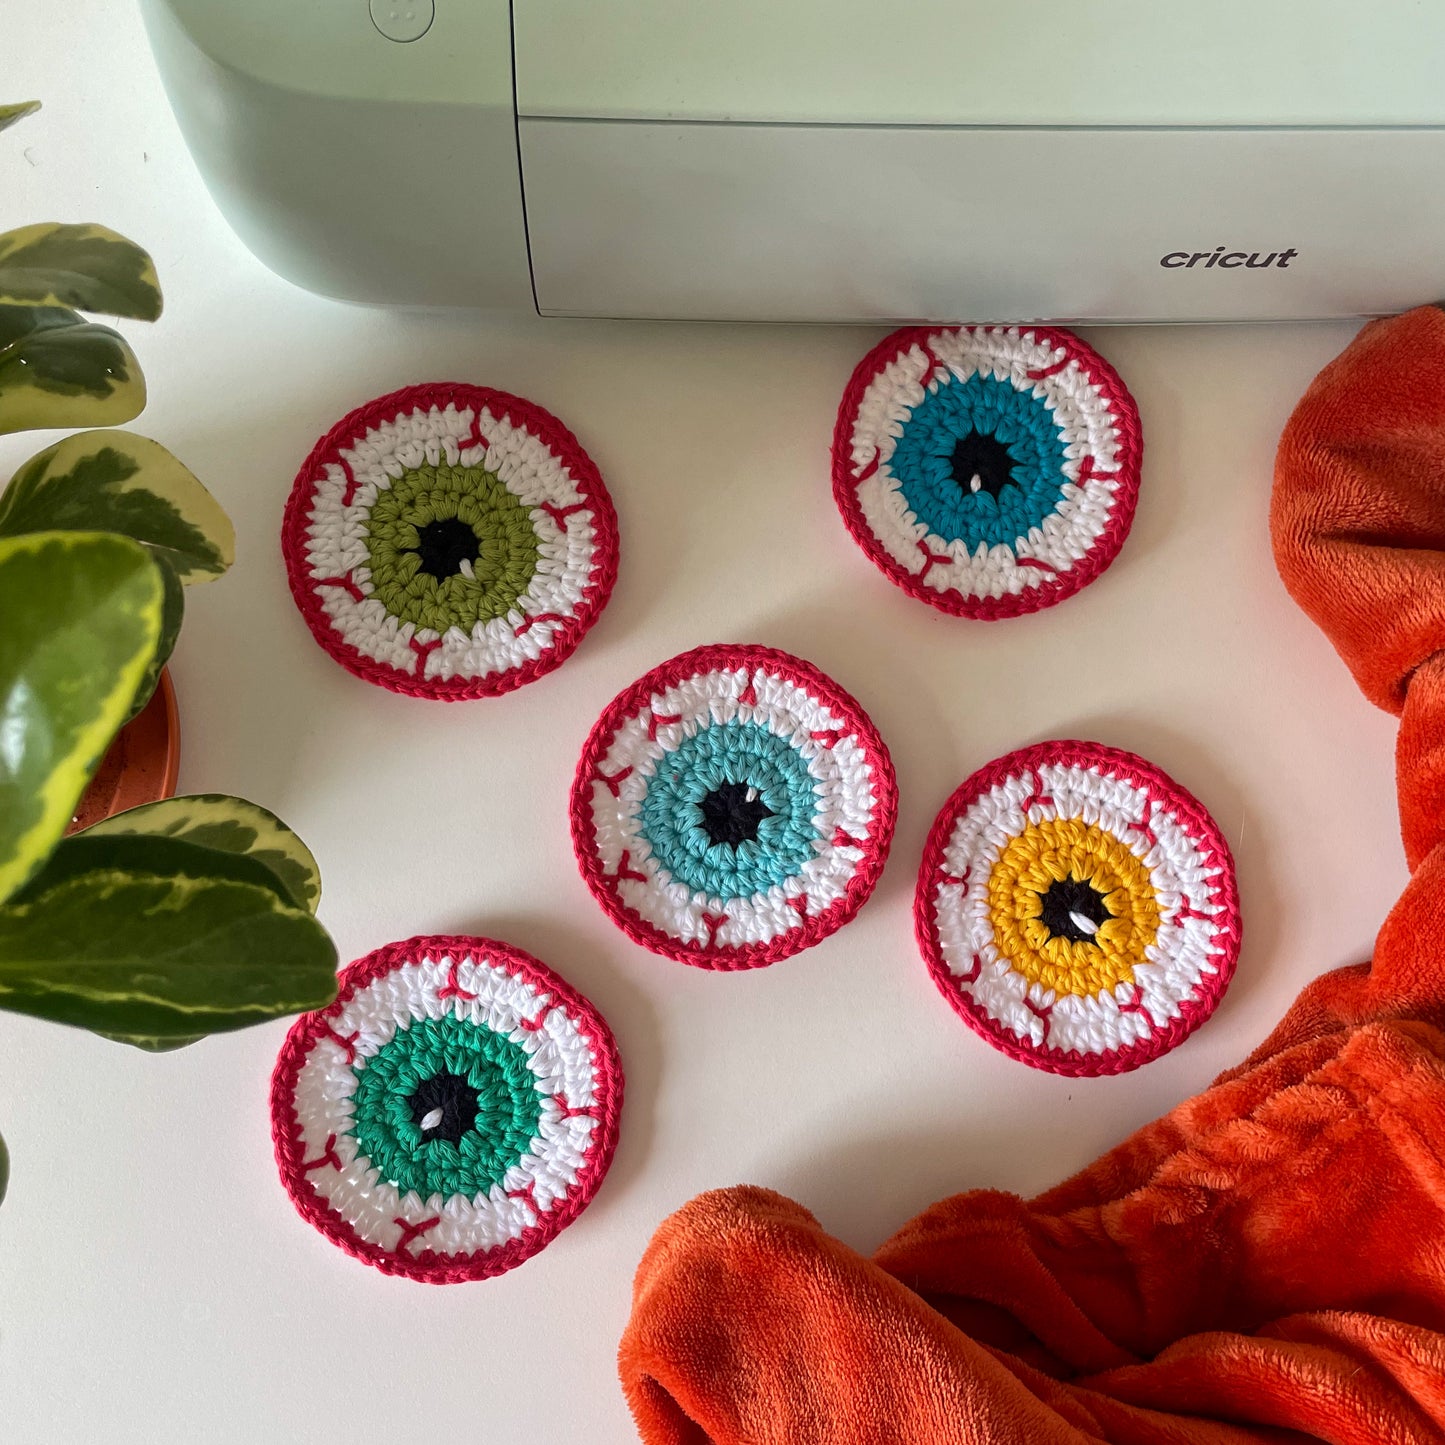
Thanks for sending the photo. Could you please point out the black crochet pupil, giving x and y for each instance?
(444, 545)
(456, 1099)
(1066, 898)
(730, 816)
(985, 457)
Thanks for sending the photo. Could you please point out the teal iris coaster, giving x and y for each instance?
(446, 1108)
(452, 1111)
(987, 470)
(733, 807)
(449, 541)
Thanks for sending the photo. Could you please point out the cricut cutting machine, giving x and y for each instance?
(828, 160)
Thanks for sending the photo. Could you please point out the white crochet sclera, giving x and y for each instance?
(1185, 952)
(558, 1055)
(336, 541)
(1083, 414)
(844, 789)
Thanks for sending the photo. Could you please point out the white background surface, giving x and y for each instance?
(155, 1284)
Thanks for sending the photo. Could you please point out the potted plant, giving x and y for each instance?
(183, 916)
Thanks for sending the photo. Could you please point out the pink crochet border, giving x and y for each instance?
(734, 657)
(1182, 804)
(520, 413)
(428, 1266)
(1060, 585)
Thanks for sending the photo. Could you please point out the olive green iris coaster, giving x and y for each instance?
(450, 541)
(450, 547)
(453, 1110)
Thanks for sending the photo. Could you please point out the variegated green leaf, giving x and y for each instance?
(9, 114)
(144, 950)
(80, 615)
(115, 481)
(59, 370)
(150, 1043)
(216, 820)
(173, 613)
(148, 854)
(88, 267)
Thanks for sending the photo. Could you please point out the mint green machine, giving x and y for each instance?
(828, 160)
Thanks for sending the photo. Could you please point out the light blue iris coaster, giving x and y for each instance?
(733, 807)
(734, 811)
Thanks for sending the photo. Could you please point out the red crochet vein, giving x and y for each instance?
(734, 657)
(1060, 584)
(427, 1265)
(1202, 829)
(520, 412)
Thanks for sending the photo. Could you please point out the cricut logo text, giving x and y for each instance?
(1230, 260)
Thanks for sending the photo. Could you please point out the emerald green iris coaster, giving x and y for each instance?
(450, 1112)
(449, 541)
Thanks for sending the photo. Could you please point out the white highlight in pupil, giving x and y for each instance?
(465, 567)
(431, 1119)
(1080, 921)
(975, 483)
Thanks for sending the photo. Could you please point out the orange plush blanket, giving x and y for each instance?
(1266, 1262)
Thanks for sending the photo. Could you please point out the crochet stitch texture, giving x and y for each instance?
(451, 1112)
(988, 471)
(1078, 908)
(449, 541)
(732, 807)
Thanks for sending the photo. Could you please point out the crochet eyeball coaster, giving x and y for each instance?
(733, 807)
(990, 471)
(453, 1110)
(1078, 908)
(449, 541)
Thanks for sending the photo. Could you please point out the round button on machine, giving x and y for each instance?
(403, 19)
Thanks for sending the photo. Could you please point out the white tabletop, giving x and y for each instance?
(155, 1283)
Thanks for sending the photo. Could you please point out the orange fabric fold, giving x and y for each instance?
(1264, 1263)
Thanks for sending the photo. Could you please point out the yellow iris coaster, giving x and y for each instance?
(1078, 908)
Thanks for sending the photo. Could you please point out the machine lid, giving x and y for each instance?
(409, 52)
(979, 62)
